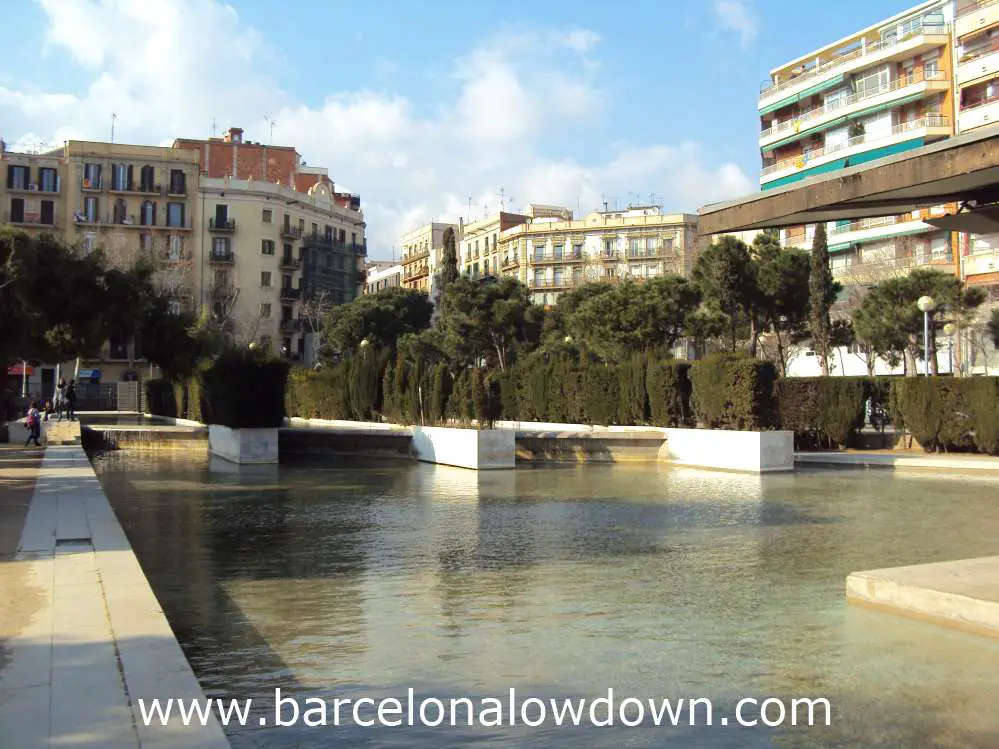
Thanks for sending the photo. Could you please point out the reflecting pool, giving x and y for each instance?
(365, 580)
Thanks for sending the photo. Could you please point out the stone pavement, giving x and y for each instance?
(82, 637)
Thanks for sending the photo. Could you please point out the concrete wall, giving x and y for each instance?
(243, 445)
(757, 452)
(479, 449)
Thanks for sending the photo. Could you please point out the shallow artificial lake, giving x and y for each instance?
(369, 579)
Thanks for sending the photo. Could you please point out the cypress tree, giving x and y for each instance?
(821, 294)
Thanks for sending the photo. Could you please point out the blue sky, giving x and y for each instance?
(421, 106)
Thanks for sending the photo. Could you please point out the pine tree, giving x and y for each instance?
(821, 294)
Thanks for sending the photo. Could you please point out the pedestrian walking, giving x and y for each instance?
(71, 400)
(49, 410)
(33, 423)
(60, 397)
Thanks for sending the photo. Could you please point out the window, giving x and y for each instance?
(220, 246)
(668, 244)
(559, 274)
(120, 176)
(635, 247)
(635, 271)
(608, 247)
(89, 241)
(288, 252)
(577, 250)
(930, 69)
(267, 215)
(145, 242)
(17, 177)
(92, 176)
(147, 214)
(174, 307)
(353, 237)
(221, 278)
(176, 247)
(118, 212)
(48, 180)
(558, 251)
(265, 279)
(16, 210)
(90, 210)
(47, 216)
(539, 249)
(267, 246)
(539, 277)
(265, 309)
(147, 179)
(175, 214)
(285, 281)
(177, 182)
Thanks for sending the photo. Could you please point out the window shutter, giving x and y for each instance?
(10, 176)
(129, 185)
(114, 177)
(154, 214)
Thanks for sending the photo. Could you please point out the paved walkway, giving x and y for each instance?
(901, 459)
(82, 637)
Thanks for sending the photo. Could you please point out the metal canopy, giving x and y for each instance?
(963, 169)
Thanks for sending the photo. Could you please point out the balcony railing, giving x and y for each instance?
(509, 263)
(91, 185)
(768, 88)
(288, 262)
(290, 325)
(414, 256)
(290, 232)
(148, 189)
(37, 187)
(801, 162)
(28, 219)
(868, 223)
(317, 239)
(798, 121)
(223, 291)
(222, 256)
(177, 189)
(289, 293)
(558, 257)
(418, 271)
(554, 283)
(225, 225)
(979, 103)
(609, 256)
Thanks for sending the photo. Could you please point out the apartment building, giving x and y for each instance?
(383, 275)
(884, 90)
(551, 252)
(32, 193)
(266, 248)
(421, 255)
(976, 31)
(478, 251)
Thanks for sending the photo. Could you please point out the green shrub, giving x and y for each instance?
(633, 405)
(826, 411)
(946, 413)
(441, 391)
(983, 402)
(245, 389)
(668, 389)
(602, 388)
(160, 399)
(734, 392)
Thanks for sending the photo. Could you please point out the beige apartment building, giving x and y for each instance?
(478, 251)
(266, 249)
(382, 275)
(421, 255)
(551, 252)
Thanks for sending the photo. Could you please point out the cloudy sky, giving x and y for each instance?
(427, 108)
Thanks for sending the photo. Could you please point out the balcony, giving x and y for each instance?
(978, 63)
(412, 257)
(904, 87)
(27, 219)
(177, 188)
(149, 189)
(91, 185)
(315, 239)
(35, 188)
(510, 263)
(610, 256)
(980, 264)
(222, 257)
(566, 282)
(975, 16)
(287, 262)
(930, 126)
(870, 229)
(290, 325)
(289, 294)
(548, 258)
(979, 115)
(416, 271)
(226, 226)
(223, 291)
(922, 39)
(290, 233)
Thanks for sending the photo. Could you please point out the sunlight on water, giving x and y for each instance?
(365, 579)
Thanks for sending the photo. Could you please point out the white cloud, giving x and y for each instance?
(733, 15)
(162, 68)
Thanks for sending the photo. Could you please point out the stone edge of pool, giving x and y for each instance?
(100, 640)
(963, 594)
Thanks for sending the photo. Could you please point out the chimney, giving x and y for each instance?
(233, 135)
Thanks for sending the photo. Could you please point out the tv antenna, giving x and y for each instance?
(114, 119)
(272, 123)
(503, 199)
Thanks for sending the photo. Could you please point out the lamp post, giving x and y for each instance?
(926, 306)
(949, 330)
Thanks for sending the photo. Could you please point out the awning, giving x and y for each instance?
(811, 91)
(840, 247)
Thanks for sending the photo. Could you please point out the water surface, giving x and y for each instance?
(364, 580)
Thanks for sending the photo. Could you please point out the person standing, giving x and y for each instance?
(60, 397)
(71, 400)
(33, 423)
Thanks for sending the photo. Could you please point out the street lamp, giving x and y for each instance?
(949, 330)
(568, 340)
(926, 306)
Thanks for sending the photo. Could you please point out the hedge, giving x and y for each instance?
(245, 389)
(827, 411)
(160, 399)
(669, 391)
(733, 391)
(951, 414)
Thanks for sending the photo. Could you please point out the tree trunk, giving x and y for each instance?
(781, 352)
(932, 350)
(910, 363)
(752, 335)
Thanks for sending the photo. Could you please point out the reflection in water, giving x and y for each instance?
(364, 580)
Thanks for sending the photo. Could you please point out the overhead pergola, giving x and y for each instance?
(963, 170)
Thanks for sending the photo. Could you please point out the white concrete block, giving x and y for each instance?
(478, 449)
(757, 452)
(243, 445)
